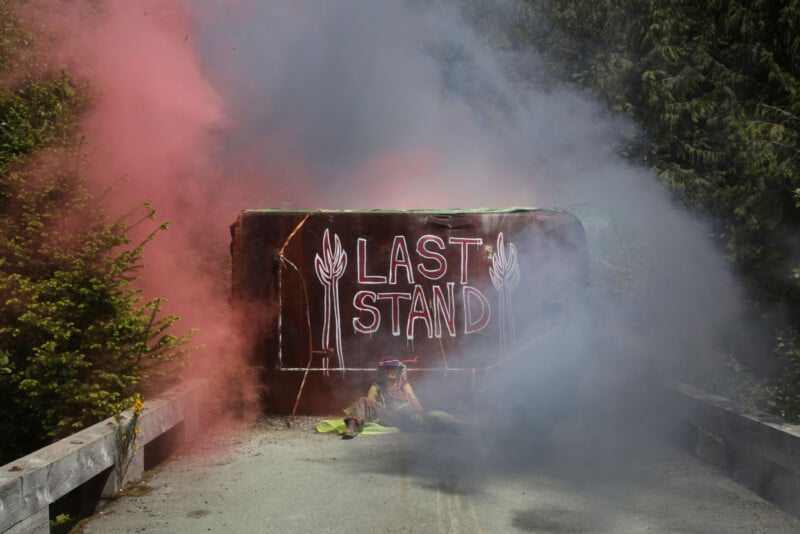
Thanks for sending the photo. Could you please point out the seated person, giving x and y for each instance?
(390, 401)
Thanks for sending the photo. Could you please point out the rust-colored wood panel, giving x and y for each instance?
(332, 292)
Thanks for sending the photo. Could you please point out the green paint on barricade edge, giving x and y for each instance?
(430, 212)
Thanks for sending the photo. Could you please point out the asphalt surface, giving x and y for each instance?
(264, 477)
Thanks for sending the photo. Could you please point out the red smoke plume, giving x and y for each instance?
(153, 120)
(157, 120)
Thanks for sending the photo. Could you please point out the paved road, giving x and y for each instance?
(264, 477)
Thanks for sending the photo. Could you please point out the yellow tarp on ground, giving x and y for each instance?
(432, 421)
(339, 426)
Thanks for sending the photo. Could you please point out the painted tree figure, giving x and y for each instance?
(504, 273)
(330, 271)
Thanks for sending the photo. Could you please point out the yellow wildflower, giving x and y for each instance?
(138, 404)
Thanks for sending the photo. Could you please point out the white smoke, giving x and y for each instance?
(387, 104)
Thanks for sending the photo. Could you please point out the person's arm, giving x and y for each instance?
(412, 399)
(372, 394)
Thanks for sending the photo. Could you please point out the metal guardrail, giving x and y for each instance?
(28, 485)
(758, 450)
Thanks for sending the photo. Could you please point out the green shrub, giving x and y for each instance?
(77, 332)
(77, 336)
(786, 401)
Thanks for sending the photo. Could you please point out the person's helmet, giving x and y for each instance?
(390, 363)
(386, 365)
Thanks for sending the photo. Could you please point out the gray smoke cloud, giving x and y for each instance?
(352, 88)
(343, 86)
(404, 105)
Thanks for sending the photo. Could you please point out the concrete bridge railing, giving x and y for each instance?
(758, 450)
(85, 461)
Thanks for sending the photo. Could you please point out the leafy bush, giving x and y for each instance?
(38, 114)
(786, 400)
(77, 336)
